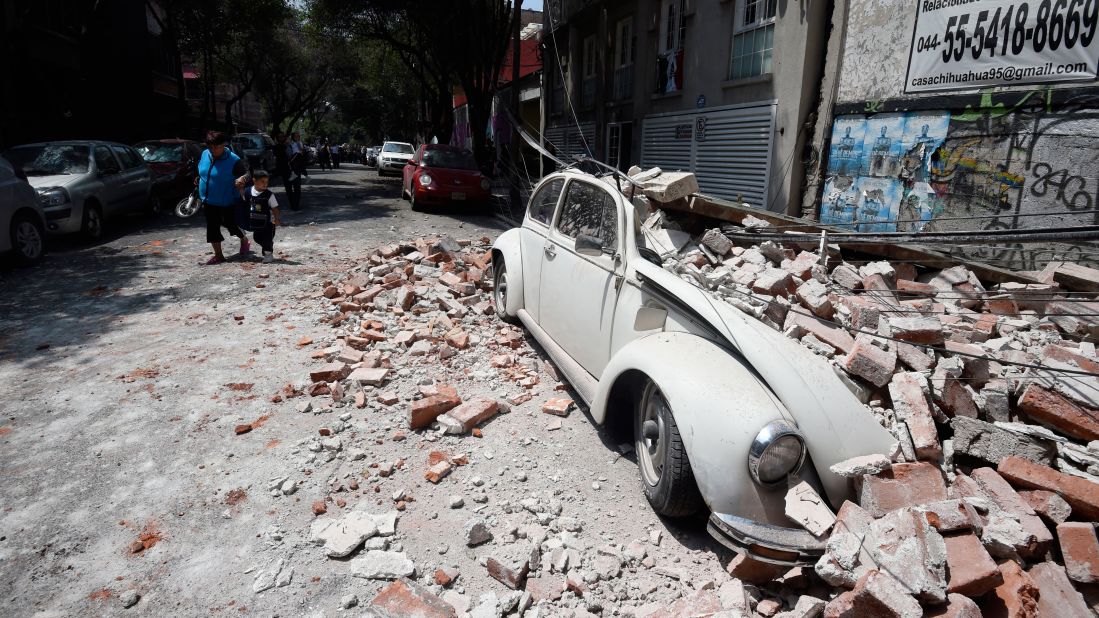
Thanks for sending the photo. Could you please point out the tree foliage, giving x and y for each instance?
(440, 43)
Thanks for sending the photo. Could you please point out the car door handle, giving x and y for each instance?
(550, 250)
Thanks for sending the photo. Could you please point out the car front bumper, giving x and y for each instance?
(766, 543)
(446, 195)
(67, 219)
(392, 166)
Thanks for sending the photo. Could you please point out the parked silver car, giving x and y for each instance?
(393, 157)
(82, 183)
(22, 222)
(257, 148)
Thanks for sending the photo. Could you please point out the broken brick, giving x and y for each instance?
(474, 412)
(904, 484)
(438, 471)
(426, 410)
(972, 570)
(1081, 493)
(1053, 409)
(1080, 549)
(330, 372)
(558, 406)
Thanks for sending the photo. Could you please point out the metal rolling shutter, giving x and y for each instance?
(733, 159)
(569, 141)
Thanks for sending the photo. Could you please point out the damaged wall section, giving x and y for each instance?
(1017, 157)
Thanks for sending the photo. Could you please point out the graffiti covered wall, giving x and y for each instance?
(1009, 157)
(987, 161)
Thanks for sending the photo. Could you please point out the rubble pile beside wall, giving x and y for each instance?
(989, 499)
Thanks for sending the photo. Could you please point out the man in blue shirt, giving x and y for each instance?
(221, 177)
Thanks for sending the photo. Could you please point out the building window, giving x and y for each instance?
(669, 59)
(753, 39)
(623, 60)
(587, 87)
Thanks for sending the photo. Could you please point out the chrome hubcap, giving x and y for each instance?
(650, 442)
(502, 292)
(28, 240)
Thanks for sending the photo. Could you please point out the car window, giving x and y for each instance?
(543, 202)
(396, 147)
(50, 159)
(589, 210)
(158, 152)
(125, 157)
(450, 159)
(103, 159)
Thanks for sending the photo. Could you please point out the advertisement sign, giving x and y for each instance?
(960, 44)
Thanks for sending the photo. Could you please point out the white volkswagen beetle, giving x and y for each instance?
(725, 411)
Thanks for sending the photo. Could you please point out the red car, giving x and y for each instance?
(439, 174)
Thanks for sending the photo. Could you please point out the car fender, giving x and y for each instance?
(719, 405)
(508, 248)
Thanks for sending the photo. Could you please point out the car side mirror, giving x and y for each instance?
(589, 245)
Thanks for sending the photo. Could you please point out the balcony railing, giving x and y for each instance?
(587, 92)
(623, 83)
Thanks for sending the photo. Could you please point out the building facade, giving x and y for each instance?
(922, 131)
(727, 89)
(84, 69)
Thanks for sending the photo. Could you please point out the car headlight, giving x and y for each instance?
(425, 180)
(777, 451)
(485, 184)
(53, 196)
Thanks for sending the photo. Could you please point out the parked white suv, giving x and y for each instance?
(393, 157)
(22, 222)
(80, 183)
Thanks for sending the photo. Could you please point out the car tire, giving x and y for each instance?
(28, 239)
(666, 476)
(92, 225)
(155, 206)
(412, 202)
(500, 292)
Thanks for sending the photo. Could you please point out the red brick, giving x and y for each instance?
(914, 356)
(1080, 549)
(458, 338)
(1058, 597)
(319, 508)
(474, 412)
(407, 598)
(1077, 277)
(1002, 495)
(359, 343)
(774, 282)
(373, 335)
(330, 372)
(241, 429)
(972, 571)
(1081, 493)
(511, 573)
(1051, 408)
(438, 471)
(876, 595)
(1056, 352)
(870, 362)
(388, 398)
(368, 294)
(911, 406)
(701, 604)
(957, 606)
(545, 588)
(558, 406)
(904, 484)
(425, 411)
(1051, 507)
(957, 400)
(915, 288)
(445, 576)
(926, 330)
(331, 291)
(1017, 597)
(746, 568)
(348, 307)
(840, 340)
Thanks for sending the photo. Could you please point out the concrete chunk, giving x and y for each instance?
(806, 508)
(990, 443)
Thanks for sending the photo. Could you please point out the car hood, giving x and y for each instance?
(55, 180)
(836, 425)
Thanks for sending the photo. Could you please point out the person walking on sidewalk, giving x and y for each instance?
(291, 179)
(299, 160)
(221, 175)
(263, 212)
(324, 155)
(336, 156)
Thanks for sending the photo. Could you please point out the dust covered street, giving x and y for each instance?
(157, 442)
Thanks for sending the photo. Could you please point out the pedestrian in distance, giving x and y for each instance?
(263, 212)
(221, 176)
(299, 159)
(284, 167)
(335, 156)
(324, 155)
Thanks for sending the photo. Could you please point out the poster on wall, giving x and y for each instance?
(960, 44)
(838, 206)
(883, 145)
(878, 203)
(924, 132)
(845, 156)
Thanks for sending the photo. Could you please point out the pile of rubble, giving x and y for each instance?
(989, 499)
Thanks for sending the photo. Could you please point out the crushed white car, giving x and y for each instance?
(726, 412)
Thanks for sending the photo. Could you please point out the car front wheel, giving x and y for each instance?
(93, 222)
(500, 291)
(666, 476)
(28, 239)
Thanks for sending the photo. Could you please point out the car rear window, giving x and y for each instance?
(544, 201)
(450, 159)
(591, 211)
